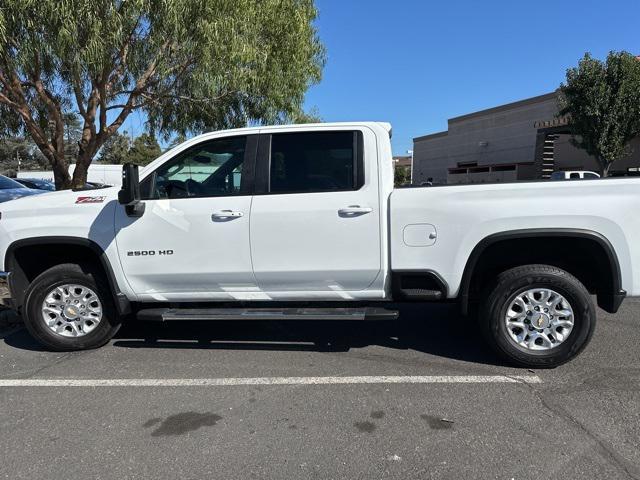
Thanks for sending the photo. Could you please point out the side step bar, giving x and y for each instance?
(361, 313)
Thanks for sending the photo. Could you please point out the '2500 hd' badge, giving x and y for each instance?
(148, 253)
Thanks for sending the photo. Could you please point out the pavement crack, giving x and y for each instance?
(59, 361)
(605, 450)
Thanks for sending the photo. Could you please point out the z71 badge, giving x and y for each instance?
(90, 199)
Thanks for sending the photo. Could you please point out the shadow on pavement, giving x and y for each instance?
(434, 329)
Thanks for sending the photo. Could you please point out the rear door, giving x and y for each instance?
(315, 218)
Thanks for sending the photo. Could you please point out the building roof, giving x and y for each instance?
(481, 113)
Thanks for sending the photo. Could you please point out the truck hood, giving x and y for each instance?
(45, 201)
(87, 214)
(8, 194)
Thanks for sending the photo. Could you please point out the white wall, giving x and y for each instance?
(98, 173)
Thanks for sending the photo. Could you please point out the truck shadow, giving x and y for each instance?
(434, 329)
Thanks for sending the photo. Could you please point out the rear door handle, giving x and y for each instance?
(224, 214)
(353, 210)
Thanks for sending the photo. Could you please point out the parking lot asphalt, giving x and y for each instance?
(324, 401)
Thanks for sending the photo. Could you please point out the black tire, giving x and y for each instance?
(520, 279)
(74, 274)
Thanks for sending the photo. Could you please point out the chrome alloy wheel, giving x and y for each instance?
(539, 319)
(72, 310)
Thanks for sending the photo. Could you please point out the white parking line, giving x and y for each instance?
(225, 382)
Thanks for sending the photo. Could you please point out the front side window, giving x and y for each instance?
(210, 169)
(314, 162)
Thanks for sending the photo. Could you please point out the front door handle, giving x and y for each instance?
(353, 210)
(226, 214)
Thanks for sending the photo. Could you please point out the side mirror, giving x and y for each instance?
(129, 194)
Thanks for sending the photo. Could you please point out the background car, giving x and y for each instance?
(10, 189)
(37, 183)
(573, 175)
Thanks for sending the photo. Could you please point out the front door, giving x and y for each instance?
(315, 221)
(192, 241)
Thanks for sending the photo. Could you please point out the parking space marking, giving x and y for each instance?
(225, 382)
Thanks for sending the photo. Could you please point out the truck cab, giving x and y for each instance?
(262, 214)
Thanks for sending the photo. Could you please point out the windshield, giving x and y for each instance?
(6, 183)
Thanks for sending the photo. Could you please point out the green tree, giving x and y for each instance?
(144, 150)
(188, 65)
(602, 100)
(177, 140)
(19, 149)
(311, 116)
(115, 149)
(401, 175)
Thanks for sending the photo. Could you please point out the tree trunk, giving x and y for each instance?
(87, 148)
(61, 176)
(604, 172)
(80, 173)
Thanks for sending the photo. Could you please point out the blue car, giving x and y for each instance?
(36, 183)
(10, 189)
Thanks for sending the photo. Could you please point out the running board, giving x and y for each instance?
(362, 313)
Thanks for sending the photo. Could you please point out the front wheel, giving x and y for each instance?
(70, 307)
(538, 316)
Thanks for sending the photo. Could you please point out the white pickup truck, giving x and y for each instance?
(303, 222)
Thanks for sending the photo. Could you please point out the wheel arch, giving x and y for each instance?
(22, 270)
(608, 288)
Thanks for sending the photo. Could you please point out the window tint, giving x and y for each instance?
(574, 175)
(210, 169)
(314, 162)
(590, 175)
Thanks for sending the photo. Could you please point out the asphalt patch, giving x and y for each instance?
(181, 423)
(437, 423)
(365, 427)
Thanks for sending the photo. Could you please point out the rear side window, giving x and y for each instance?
(574, 175)
(315, 162)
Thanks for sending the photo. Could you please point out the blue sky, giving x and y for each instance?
(416, 63)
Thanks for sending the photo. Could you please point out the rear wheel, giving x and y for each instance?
(70, 307)
(538, 316)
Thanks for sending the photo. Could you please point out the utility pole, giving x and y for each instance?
(18, 161)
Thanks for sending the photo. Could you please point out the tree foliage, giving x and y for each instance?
(19, 149)
(144, 150)
(401, 175)
(120, 149)
(602, 100)
(115, 149)
(189, 65)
